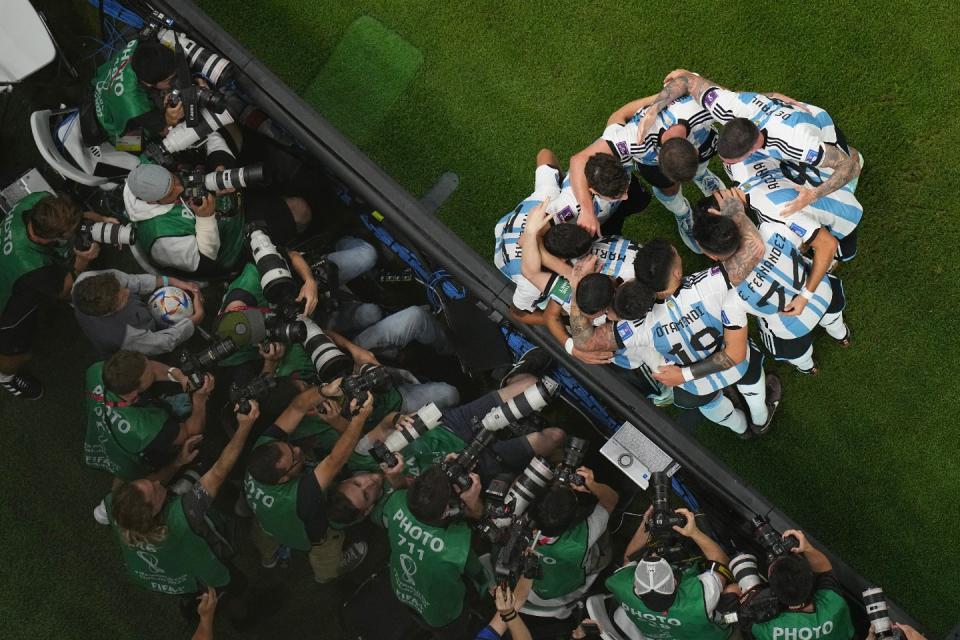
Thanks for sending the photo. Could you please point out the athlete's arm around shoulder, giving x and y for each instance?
(627, 111)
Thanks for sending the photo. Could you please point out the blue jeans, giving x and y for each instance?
(353, 257)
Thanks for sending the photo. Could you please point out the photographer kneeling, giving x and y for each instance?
(189, 236)
(569, 544)
(659, 599)
(809, 594)
(288, 497)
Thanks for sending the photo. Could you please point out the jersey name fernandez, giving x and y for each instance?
(688, 327)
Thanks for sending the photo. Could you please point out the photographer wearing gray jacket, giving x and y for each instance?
(111, 309)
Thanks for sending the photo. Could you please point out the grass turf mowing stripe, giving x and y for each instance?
(367, 73)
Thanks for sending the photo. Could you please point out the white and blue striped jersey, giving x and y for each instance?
(688, 327)
(565, 207)
(790, 133)
(622, 138)
(615, 256)
(777, 279)
(632, 354)
(772, 184)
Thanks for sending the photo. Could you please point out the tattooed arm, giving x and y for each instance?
(677, 84)
(733, 353)
(750, 252)
(845, 168)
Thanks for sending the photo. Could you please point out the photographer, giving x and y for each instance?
(127, 94)
(570, 544)
(38, 263)
(430, 552)
(288, 498)
(189, 236)
(111, 309)
(132, 429)
(810, 595)
(660, 600)
(169, 543)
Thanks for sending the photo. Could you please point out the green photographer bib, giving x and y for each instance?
(426, 563)
(176, 564)
(117, 435)
(829, 620)
(430, 449)
(180, 222)
(562, 563)
(249, 281)
(686, 620)
(118, 96)
(19, 255)
(275, 507)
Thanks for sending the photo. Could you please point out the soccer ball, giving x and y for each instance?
(169, 304)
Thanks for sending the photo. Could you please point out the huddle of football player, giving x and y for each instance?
(775, 236)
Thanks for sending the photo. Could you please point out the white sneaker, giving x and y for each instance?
(100, 514)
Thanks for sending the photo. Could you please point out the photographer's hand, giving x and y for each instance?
(272, 355)
(588, 480)
(203, 393)
(640, 537)
(471, 499)
(173, 115)
(198, 310)
(189, 450)
(246, 420)
(309, 295)
(394, 474)
(689, 529)
(206, 208)
(84, 258)
(206, 610)
(802, 544)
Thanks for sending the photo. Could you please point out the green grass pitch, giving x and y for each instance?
(864, 455)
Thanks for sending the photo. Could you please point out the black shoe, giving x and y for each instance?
(774, 394)
(812, 371)
(24, 385)
(846, 340)
(535, 361)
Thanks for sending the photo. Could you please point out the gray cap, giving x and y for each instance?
(150, 182)
(654, 582)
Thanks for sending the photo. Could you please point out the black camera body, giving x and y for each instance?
(513, 562)
(573, 454)
(458, 469)
(196, 365)
(664, 518)
(253, 390)
(327, 276)
(194, 98)
(498, 512)
(279, 329)
(371, 378)
(775, 545)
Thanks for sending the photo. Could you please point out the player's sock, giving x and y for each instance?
(755, 395)
(679, 206)
(724, 413)
(804, 362)
(834, 325)
(706, 180)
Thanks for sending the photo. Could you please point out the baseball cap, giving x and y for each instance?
(654, 582)
(243, 327)
(150, 182)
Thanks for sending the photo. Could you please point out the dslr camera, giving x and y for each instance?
(773, 543)
(573, 454)
(424, 420)
(756, 603)
(879, 616)
(196, 365)
(513, 561)
(253, 390)
(371, 378)
(507, 500)
(664, 518)
(119, 235)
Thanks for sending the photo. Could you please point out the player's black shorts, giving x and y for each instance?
(503, 455)
(792, 348)
(847, 250)
(686, 400)
(17, 335)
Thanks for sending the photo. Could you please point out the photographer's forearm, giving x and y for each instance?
(606, 496)
(330, 466)
(818, 562)
(213, 479)
(711, 550)
(208, 236)
(300, 266)
(198, 418)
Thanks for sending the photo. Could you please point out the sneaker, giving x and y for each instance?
(280, 557)
(774, 394)
(812, 371)
(535, 361)
(664, 398)
(100, 514)
(685, 226)
(24, 386)
(350, 559)
(845, 341)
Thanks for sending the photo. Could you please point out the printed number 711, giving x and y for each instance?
(409, 545)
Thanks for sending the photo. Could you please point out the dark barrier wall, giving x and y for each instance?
(478, 274)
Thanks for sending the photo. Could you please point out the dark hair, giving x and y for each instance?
(429, 495)
(122, 372)
(339, 508)
(679, 160)
(633, 300)
(737, 138)
(135, 519)
(153, 62)
(262, 465)
(791, 580)
(96, 295)
(653, 264)
(717, 235)
(595, 292)
(606, 175)
(567, 240)
(556, 511)
(54, 217)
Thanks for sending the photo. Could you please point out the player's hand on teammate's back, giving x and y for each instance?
(795, 307)
(588, 221)
(805, 198)
(670, 375)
